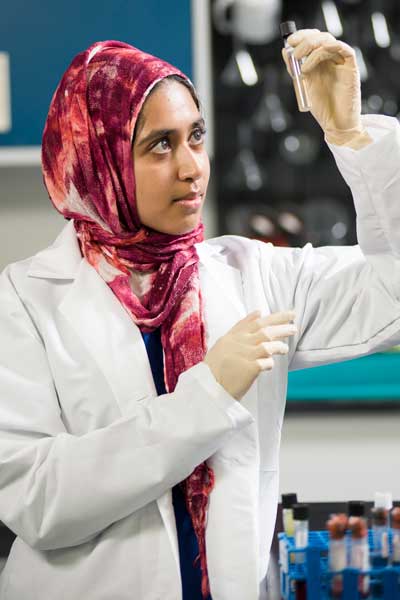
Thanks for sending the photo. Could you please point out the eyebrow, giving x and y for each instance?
(160, 133)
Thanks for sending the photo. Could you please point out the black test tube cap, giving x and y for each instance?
(288, 500)
(356, 508)
(287, 28)
(301, 512)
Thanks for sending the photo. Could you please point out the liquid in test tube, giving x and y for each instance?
(287, 513)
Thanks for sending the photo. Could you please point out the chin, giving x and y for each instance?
(184, 230)
(180, 229)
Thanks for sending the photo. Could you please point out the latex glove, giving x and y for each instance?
(333, 83)
(238, 357)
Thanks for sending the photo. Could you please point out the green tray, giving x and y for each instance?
(375, 377)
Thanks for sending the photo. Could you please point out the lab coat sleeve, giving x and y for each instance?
(59, 490)
(346, 299)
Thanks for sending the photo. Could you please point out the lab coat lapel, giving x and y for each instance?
(224, 304)
(221, 290)
(232, 532)
(110, 336)
(99, 320)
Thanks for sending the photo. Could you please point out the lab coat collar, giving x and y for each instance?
(61, 260)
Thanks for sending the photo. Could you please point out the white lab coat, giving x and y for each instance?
(89, 453)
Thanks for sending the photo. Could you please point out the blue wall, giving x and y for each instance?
(43, 37)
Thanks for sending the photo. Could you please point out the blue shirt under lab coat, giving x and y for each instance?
(188, 546)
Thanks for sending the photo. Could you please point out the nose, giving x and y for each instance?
(189, 164)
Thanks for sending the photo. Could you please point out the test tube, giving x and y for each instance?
(300, 88)
(380, 536)
(395, 515)
(380, 528)
(288, 500)
(300, 518)
(337, 554)
(359, 552)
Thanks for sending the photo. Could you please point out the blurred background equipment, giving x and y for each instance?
(251, 21)
(267, 153)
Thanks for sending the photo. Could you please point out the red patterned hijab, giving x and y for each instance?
(88, 171)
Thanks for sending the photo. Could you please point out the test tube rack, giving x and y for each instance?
(309, 565)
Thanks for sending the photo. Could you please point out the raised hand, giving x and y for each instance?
(332, 78)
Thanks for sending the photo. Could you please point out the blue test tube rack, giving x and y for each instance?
(310, 564)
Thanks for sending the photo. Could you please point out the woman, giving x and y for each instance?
(149, 475)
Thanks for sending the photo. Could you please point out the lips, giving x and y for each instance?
(190, 204)
(193, 196)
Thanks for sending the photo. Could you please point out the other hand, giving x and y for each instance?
(238, 357)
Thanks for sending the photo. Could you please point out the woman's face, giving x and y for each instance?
(170, 160)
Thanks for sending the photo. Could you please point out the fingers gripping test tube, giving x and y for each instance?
(300, 88)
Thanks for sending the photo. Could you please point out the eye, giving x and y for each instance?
(198, 135)
(162, 147)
